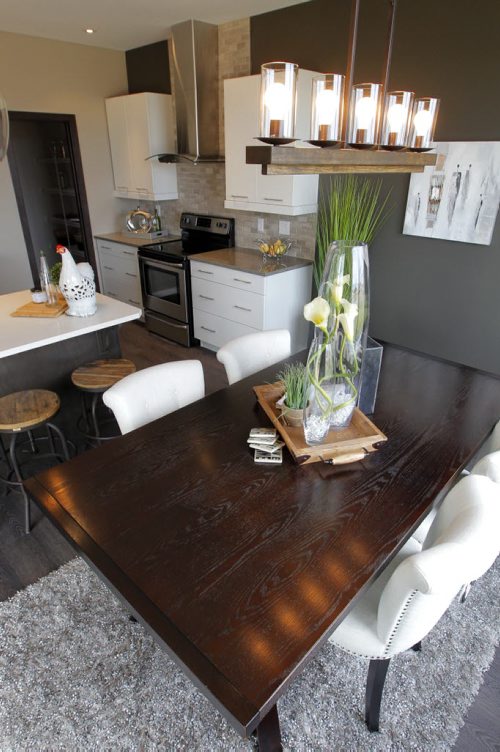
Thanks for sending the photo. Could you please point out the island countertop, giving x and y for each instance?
(20, 334)
(250, 260)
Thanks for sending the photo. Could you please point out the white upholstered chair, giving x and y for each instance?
(488, 465)
(253, 352)
(153, 392)
(411, 595)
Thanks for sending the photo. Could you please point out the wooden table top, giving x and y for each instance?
(244, 570)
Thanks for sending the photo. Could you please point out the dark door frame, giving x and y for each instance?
(70, 121)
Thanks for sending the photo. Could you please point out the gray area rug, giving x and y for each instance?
(76, 674)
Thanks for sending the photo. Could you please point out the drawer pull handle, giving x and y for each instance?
(268, 198)
(245, 281)
(107, 247)
(203, 271)
(235, 195)
(109, 268)
(241, 308)
(205, 297)
(129, 274)
(206, 329)
(135, 302)
(129, 253)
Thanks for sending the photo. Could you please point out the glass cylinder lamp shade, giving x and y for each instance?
(364, 120)
(4, 128)
(327, 109)
(278, 97)
(397, 111)
(423, 123)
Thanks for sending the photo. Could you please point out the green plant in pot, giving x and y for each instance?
(294, 380)
(353, 211)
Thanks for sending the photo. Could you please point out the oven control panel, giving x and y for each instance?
(205, 223)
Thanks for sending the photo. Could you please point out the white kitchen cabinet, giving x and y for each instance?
(139, 126)
(229, 302)
(246, 187)
(119, 271)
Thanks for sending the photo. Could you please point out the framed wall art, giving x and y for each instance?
(458, 198)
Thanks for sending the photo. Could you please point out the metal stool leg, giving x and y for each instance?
(95, 425)
(50, 438)
(52, 427)
(33, 445)
(15, 467)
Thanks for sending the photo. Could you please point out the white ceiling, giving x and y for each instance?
(121, 24)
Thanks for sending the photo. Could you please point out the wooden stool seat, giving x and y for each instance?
(101, 374)
(23, 410)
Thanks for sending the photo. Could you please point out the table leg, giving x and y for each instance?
(268, 732)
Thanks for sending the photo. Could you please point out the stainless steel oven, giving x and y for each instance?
(165, 277)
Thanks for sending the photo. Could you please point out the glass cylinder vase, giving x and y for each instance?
(320, 373)
(345, 286)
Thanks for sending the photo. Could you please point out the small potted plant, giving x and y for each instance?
(294, 380)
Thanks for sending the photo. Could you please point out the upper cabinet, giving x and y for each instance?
(246, 187)
(141, 125)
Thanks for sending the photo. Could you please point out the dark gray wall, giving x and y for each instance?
(148, 69)
(438, 296)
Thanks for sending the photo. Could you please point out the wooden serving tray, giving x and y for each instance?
(341, 446)
(41, 310)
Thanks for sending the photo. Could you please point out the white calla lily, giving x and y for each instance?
(337, 288)
(317, 311)
(347, 317)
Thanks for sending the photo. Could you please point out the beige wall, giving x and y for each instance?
(42, 75)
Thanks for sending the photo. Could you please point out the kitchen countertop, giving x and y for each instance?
(128, 238)
(20, 334)
(250, 260)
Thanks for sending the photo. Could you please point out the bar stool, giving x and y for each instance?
(92, 379)
(22, 413)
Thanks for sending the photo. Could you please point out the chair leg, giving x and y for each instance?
(377, 671)
(464, 593)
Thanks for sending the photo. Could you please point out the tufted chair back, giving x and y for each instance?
(462, 543)
(153, 392)
(253, 352)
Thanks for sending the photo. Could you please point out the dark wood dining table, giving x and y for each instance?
(241, 570)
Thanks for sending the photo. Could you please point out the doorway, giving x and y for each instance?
(46, 168)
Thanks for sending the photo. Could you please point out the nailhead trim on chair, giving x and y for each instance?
(400, 619)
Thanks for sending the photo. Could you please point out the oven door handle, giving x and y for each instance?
(160, 264)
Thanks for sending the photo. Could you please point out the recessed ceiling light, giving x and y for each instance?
(89, 31)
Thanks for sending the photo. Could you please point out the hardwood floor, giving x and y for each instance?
(26, 558)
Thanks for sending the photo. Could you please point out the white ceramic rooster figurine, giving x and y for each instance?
(77, 285)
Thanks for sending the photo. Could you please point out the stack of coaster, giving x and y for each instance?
(268, 449)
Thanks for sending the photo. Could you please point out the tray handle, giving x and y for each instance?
(346, 458)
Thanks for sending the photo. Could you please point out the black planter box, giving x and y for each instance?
(370, 372)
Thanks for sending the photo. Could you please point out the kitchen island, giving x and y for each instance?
(41, 353)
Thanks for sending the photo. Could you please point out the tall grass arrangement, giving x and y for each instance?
(293, 378)
(352, 211)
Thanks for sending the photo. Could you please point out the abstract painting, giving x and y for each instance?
(457, 199)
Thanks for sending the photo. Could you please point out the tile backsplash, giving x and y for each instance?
(202, 190)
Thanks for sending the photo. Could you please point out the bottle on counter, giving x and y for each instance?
(157, 219)
(46, 283)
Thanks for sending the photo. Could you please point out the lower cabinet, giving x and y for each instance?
(119, 269)
(229, 302)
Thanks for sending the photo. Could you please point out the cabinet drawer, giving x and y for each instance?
(215, 330)
(230, 277)
(120, 249)
(236, 305)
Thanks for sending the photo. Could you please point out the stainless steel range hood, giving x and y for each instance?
(195, 86)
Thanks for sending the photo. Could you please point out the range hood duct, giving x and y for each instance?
(195, 85)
